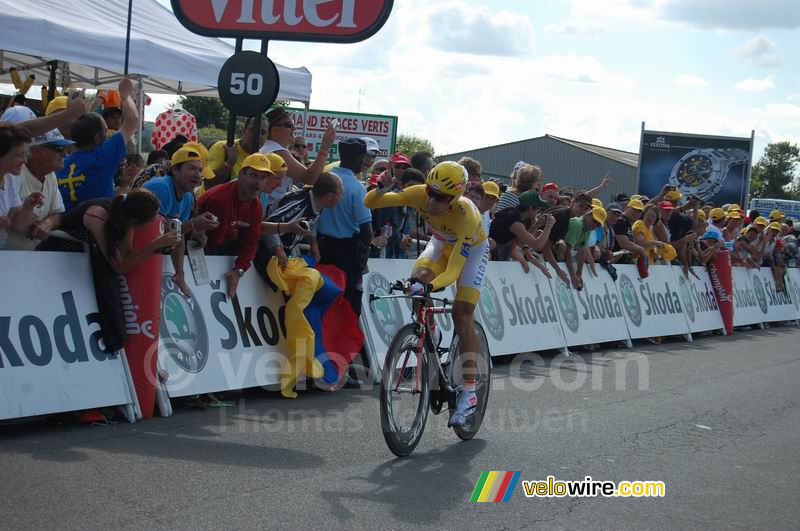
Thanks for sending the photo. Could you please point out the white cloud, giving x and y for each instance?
(758, 52)
(580, 69)
(690, 80)
(784, 110)
(578, 28)
(457, 27)
(756, 85)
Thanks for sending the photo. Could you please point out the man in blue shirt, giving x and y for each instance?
(175, 193)
(345, 231)
(88, 173)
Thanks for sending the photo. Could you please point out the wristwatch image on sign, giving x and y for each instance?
(702, 172)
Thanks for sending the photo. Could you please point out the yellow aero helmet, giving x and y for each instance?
(448, 178)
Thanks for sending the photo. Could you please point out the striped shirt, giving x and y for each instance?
(294, 206)
(507, 200)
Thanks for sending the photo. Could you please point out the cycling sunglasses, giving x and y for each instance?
(437, 196)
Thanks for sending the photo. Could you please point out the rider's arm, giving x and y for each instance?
(458, 257)
(413, 196)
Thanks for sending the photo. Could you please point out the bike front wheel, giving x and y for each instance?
(404, 392)
(481, 374)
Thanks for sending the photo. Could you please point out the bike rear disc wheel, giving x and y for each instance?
(482, 382)
(404, 406)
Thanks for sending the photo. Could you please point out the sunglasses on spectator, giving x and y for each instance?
(57, 149)
(438, 197)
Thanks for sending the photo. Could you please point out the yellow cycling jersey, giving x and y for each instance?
(460, 229)
(462, 222)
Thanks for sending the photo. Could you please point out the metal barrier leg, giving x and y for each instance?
(131, 388)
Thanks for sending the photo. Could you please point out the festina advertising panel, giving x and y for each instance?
(699, 303)
(780, 306)
(653, 306)
(749, 300)
(340, 21)
(51, 354)
(592, 315)
(383, 129)
(713, 168)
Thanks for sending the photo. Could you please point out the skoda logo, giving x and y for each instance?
(630, 300)
(386, 315)
(569, 310)
(686, 297)
(491, 312)
(183, 328)
(761, 296)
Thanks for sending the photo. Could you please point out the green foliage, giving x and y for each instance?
(209, 135)
(774, 175)
(410, 144)
(207, 111)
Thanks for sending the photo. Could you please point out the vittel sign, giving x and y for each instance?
(342, 21)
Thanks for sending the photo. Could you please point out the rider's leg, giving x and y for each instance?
(463, 318)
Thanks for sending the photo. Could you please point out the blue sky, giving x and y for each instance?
(475, 73)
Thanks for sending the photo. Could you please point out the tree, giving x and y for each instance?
(410, 144)
(210, 135)
(774, 175)
(207, 111)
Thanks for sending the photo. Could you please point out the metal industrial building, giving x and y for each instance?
(565, 162)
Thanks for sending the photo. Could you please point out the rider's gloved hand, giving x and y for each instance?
(415, 287)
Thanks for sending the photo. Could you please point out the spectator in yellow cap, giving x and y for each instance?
(718, 222)
(673, 196)
(57, 105)
(732, 225)
(777, 215)
(270, 199)
(491, 195)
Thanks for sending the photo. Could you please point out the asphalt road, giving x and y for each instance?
(717, 421)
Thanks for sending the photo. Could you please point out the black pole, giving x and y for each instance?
(259, 117)
(51, 82)
(231, 116)
(128, 36)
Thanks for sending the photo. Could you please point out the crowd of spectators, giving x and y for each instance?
(71, 170)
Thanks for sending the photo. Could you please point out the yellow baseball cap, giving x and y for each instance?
(185, 154)
(636, 204)
(277, 163)
(734, 214)
(208, 173)
(57, 104)
(776, 215)
(761, 220)
(717, 214)
(701, 215)
(258, 162)
(774, 226)
(599, 214)
(735, 207)
(673, 195)
(491, 188)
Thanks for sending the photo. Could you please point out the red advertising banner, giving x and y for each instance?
(142, 305)
(719, 269)
(342, 21)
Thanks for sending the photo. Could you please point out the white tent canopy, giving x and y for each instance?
(88, 40)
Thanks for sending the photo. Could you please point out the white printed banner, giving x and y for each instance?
(792, 280)
(592, 315)
(652, 306)
(51, 358)
(780, 306)
(749, 306)
(699, 303)
(382, 129)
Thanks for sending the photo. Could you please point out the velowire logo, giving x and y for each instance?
(183, 327)
(495, 486)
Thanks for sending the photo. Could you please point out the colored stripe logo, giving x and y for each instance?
(495, 486)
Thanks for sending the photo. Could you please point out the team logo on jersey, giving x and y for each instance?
(491, 311)
(630, 300)
(568, 306)
(761, 295)
(686, 297)
(183, 327)
(386, 314)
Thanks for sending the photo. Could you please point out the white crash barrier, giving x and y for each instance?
(51, 359)
(699, 302)
(779, 305)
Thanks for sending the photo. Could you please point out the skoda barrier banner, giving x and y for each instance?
(383, 129)
(749, 299)
(714, 168)
(792, 281)
(51, 357)
(592, 315)
(699, 302)
(652, 306)
(780, 306)
(517, 310)
(210, 343)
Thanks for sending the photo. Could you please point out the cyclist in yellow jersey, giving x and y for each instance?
(457, 252)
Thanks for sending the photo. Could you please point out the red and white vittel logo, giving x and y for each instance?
(301, 20)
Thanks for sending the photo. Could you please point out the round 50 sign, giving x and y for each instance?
(248, 83)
